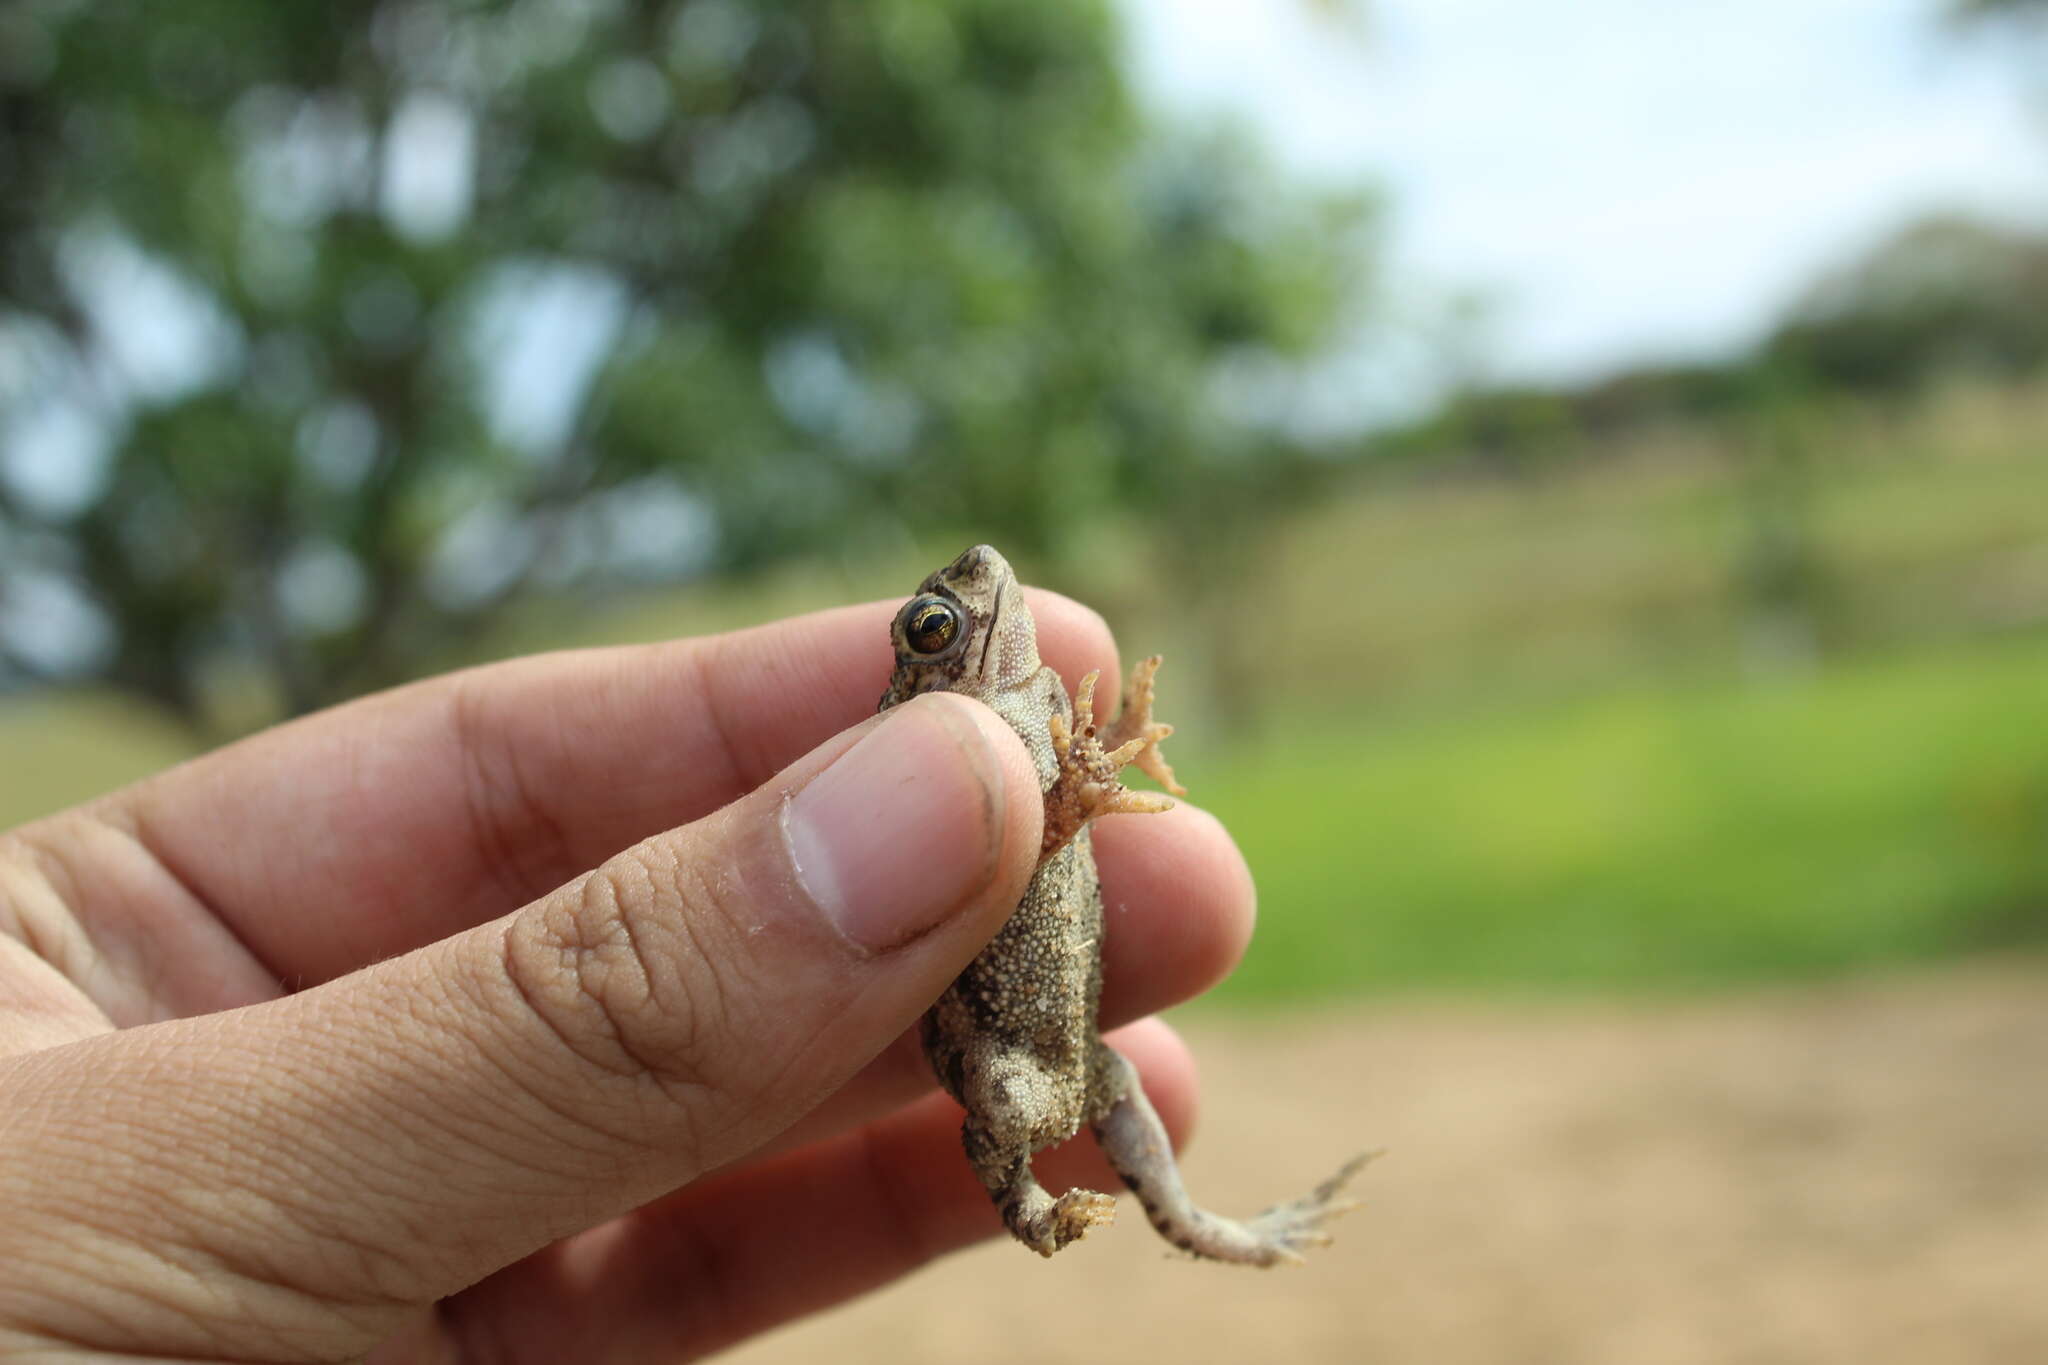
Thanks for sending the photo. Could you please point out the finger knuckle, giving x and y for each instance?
(511, 814)
(612, 969)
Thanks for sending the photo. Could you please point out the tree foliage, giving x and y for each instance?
(1941, 298)
(1944, 295)
(326, 330)
(1978, 11)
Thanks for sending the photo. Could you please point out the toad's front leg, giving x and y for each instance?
(1086, 783)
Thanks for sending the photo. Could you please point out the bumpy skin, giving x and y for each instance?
(1014, 1039)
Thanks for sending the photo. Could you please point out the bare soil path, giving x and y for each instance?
(1855, 1172)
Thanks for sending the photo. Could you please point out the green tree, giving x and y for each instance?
(1943, 295)
(327, 330)
(1978, 11)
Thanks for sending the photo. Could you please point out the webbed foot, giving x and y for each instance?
(1086, 785)
(1287, 1230)
(1068, 1220)
(1135, 1141)
(1134, 722)
(1046, 1224)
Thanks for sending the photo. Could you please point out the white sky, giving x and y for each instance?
(1622, 179)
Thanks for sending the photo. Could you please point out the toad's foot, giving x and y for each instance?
(1134, 721)
(1059, 1221)
(1292, 1228)
(1135, 1142)
(1032, 1215)
(1086, 784)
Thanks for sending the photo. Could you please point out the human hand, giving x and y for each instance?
(491, 1016)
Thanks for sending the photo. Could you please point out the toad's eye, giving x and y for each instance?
(930, 625)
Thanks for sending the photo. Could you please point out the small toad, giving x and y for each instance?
(1014, 1039)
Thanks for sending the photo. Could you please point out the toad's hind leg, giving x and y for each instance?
(1033, 1216)
(1135, 1141)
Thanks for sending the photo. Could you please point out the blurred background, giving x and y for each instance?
(1586, 464)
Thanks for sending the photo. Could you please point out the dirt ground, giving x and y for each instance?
(1856, 1172)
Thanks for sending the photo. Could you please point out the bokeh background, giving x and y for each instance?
(1586, 464)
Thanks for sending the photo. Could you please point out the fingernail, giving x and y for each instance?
(903, 828)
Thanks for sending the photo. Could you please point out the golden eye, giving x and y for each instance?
(931, 625)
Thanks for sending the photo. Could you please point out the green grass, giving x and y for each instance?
(58, 749)
(1671, 837)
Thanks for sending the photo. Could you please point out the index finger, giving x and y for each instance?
(375, 827)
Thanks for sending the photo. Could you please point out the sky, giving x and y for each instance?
(1615, 181)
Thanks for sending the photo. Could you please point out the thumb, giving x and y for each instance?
(328, 1161)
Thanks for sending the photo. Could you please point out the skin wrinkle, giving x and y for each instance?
(146, 972)
(527, 990)
(570, 1120)
(47, 924)
(736, 774)
(710, 991)
(332, 1179)
(330, 1173)
(635, 802)
(39, 1007)
(113, 1311)
(220, 1256)
(496, 798)
(688, 1002)
(678, 1085)
(51, 1244)
(328, 1165)
(84, 1302)
(333, 1256)
(209, 1230)
(664, 915)
(770, 1080)
(485, 1132)
(241, 1109)
(29, 1130)
(486, 993)
(130, 818)
(619, 987)
(179, 925)
(496, 852)
(732, 668)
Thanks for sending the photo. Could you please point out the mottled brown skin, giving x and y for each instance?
(1014, 1039)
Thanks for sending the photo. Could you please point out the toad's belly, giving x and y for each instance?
(1031, 995)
